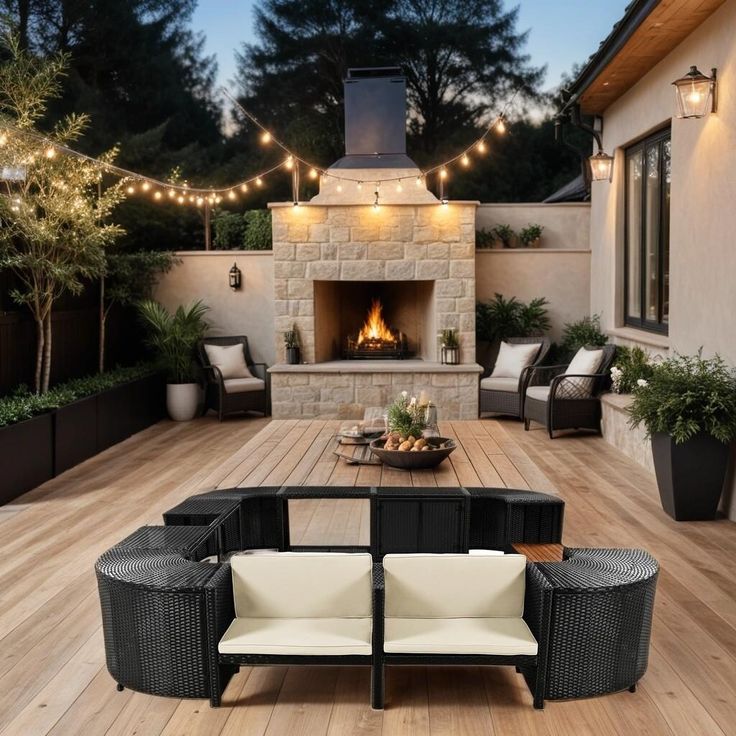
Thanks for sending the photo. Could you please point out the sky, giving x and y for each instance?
(561, 32)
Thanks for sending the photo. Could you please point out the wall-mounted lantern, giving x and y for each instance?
(235, 277)
(601, 166)
(695, 94)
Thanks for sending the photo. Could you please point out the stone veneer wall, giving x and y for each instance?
(357, 243)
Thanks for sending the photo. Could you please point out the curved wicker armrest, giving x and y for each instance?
(213, 374)
(574, 390)
(542, 375)
(537, 601)
(260, 370)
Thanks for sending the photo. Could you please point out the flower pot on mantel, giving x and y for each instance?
(182, 401)
(450, 356)
(293, 356)
(691, 475)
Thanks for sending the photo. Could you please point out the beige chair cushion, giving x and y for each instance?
(584, 362)
(512, 359)
(241, 385)
(454, 586)
(501, 636)
(302, 585)
(229, 359)
(540, 393)
(298, 636)
(500, 384)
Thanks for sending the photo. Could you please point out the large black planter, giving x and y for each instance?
(690, 476)
(75, 433)
(26, 456)
(293, 356)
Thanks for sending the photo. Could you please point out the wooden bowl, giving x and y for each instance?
(407, 460)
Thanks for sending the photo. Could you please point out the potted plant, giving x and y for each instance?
(173, 337)
(291, 343)
(688, 406)
(506, 236)
(408, 415)
(531, 236)
(632, 365)
(449, 347)
(484, 239)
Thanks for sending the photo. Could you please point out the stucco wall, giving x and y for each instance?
(566, 225)
(249, 311)
(562, 276)
(703, 216)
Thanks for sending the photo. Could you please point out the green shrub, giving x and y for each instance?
(484, 238)
(407, 416)
(229, 230)
(632, 365)
(530, 233)
(686, 395)
(501, 318)
(586, 331)
(23, 404)
(257, 230)
(506, 234)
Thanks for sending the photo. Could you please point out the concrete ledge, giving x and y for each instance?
(375, 366)
(616, 430)
(532, 250)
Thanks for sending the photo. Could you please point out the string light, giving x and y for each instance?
(172, 194)
(339, 187)
(465, 160)
(244, 188)
(157, 195)
(289, 163)
(359, 185)
(130, 189)
(313, 174)
(180, 199)
(145, 186)
(419, 181)
(443, 173)
(231, 195)
(399, 188)
(259, 182)
(501, 125)
(266, 137)
(50, 152)
(200, 201)
(3, 138)
(481, 146)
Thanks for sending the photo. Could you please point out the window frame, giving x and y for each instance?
(659, 138)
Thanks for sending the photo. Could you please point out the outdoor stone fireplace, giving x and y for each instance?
(336, 254)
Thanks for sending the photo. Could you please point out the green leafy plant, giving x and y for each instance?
(229, 230)
(291, 338)
(586, 331)
(484, 238)
(502, 318)
(173, 337)
(449, 338)
(506, 234)
(407, 416)
(129, 278)
(686, 395)
(23, 404)
(530, 234)
(258, 235)
(632, 365)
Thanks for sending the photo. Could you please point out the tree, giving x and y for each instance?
(53, 229)
(129, 279)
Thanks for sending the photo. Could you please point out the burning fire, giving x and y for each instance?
(375, 330)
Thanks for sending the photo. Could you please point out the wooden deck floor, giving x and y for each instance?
(52, 672)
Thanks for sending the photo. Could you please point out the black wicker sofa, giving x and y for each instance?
(165, 609)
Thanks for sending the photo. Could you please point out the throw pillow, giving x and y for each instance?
(586, 362)
(512, 359)
(229, 359)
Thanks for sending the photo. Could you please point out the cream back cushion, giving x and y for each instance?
(302, 585)
(229, 359)
(454, 586)
(512, 359)
(585, 362)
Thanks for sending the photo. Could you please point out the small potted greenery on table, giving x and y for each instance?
(291, 344)
(531, 236)
(688, 406)
(449, 347)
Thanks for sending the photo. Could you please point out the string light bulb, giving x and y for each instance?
(231, 195)
(259, 182)
(399, 188)
(266, 137)
(289, 163)
(3, 139)
(172, 193)
(501, 125)
(180, 199)
(443, 173)
(339, 187)
(419, 181)
(359, 185)
(465, 160)
(145, 186)
(130, 189)
(157, 195)
(313, 174)
(50, 152)
(482, 148)
(200, 201)
(244, 188)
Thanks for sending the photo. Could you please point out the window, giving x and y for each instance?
(647, 258)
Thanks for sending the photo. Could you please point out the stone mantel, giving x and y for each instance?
(376, 366)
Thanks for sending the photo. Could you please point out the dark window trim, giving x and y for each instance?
(642, 323)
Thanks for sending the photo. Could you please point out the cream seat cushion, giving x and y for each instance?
(585, 362)
(298, 636)
(540, 393)
(490, 383)
(454, 586)
(229, 359)
(241, 385)
(512, 359)
(502, 636)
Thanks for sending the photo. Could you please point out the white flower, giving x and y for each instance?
(413, 401)
(642, 382)
(404, 393)
(616, 371)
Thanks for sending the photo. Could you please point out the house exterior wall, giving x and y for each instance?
(703, 192)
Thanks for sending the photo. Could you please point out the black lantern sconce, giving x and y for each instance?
(695, 94)
(235, 277)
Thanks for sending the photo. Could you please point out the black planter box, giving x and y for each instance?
(26, 456)
(691, 475)
(75, 433)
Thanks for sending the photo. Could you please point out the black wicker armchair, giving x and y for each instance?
(506, 395)
(235, 395)
(560, 400)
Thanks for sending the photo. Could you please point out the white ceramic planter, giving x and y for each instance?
(182, 400)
